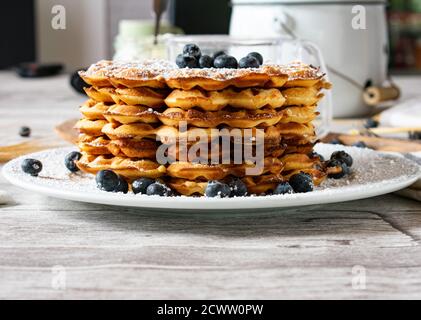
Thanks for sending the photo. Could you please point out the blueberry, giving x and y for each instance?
(158, 189)
(283, 188)
(205, 61)
(140, 185)
(218, 53)
(31, 166)
(184, 61)
(415, 135)
(342, 156)
(371, 123)
(314, 154)
(217, 189)
(238, 188)
(335, 141)
(122, 185)
(70, 160)
(77, 82)
(360, 144)
(192, 50)
(249, 62)
(335, 163)
(256, 55)
(25, 131)
(225, 61)
(107, 180)
(301, 182)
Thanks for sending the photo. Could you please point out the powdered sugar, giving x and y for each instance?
(163, 69)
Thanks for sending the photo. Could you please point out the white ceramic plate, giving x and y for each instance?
(372, 174)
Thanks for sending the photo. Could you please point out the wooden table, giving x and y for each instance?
(53, 248)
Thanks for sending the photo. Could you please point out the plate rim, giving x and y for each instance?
(341, 194)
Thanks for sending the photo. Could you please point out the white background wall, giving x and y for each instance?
(91, 28)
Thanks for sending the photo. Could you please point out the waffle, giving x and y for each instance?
(91, 127)
(129, 114)
(264, 184)
(193, 171)
(101, 94)
(165, 133)
(250, 99)
(159, 74)
(146, 148)
(93, 145)
(129, 168)
(93, 110)
(255, 184)
(237, 119)
(133, 96)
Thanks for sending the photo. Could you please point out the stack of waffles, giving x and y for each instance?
(152, 119)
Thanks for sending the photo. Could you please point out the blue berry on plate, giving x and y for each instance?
(70, 160)
(31, 166)
(335, 141)
(225, 61)
(360, 144)
(140, 185)
(238, 187)
(249, 62)
(25, 132)
(371, 123)
(415, 135)
(342, 156)
(158, 189)
(192, 50)
(257, 56)
(205, 61)
(122, 185)
(107, 180)
(218, 53)
(283, 188)
(301, 182)
(184, 61)
(341, 166)
(217, 189)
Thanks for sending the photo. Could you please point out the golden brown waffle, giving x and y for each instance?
(93, 110)
(250, 99)
(193, 171)
(129, 168)
(258, 185)
(131, 96)
(145, 148)
(128, 114)
(167, 134)
(91, 127)
(93, 145)
(158, 74)
(302, 96)
(195, 152)
(237, 119)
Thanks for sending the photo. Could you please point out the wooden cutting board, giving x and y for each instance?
(64, 130)
(376, 143)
